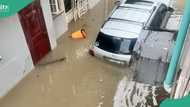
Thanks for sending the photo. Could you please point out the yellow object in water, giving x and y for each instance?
(81, 34)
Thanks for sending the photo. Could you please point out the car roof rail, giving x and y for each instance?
(130, 7)
(111, 18)
(135, 1)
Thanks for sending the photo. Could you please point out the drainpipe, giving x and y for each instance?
(178, 47)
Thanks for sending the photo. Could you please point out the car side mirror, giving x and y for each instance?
(170, 9)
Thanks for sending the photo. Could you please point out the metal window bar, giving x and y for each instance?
(55, 6)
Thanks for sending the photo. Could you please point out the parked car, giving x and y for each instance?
(116, 40)
(119, 33)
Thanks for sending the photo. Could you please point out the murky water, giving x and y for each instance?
(136, 94)
(79, 80)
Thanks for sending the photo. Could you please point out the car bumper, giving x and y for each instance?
(111, 57)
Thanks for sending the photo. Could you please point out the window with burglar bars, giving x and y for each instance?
(57, 6)
(68, 5)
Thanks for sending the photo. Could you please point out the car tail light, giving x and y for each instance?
(91, 52)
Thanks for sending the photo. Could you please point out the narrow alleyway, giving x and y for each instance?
(78, 81)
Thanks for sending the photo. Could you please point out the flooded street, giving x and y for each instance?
(78, 80)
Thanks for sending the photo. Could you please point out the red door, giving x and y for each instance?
(34, 27)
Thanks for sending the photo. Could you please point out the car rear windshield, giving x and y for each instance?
(115, 44)
(139, 2)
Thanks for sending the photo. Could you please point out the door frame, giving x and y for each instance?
(27, 38)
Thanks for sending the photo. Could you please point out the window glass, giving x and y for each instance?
(139, 2)
(56, 6)
(115, 44)
(53, 5)
(124, 47)
(108, 43)
(159, 17)
(68, 5)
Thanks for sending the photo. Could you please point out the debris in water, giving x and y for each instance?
(53, 61)
(100, 104)
(101, 80)
(37, 75)
(80, 34)
(102, 97)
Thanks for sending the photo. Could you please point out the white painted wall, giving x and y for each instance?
(69, 16)
(92, 3)
(49, 23)
(59, 22)
(17, 61)
(60, 25)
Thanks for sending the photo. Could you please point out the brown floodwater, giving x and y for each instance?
(78, 79)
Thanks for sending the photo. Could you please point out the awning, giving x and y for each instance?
(11, 7)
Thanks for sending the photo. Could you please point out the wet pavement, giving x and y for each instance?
(69, 76)
(135, 94)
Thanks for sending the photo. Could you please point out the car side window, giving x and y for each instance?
(140, 2)
(159, 17)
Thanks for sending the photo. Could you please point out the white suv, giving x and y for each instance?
(119, 33)
(116, 40)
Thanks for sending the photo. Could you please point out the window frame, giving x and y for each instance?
(72, 3)
(58, 5)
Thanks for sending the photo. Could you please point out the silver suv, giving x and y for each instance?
(119, 33)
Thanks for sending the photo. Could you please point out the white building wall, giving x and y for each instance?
(60, 25)
(92, 3)
(69, 16)
(49, 23)
(16, 59)
(56, 26)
